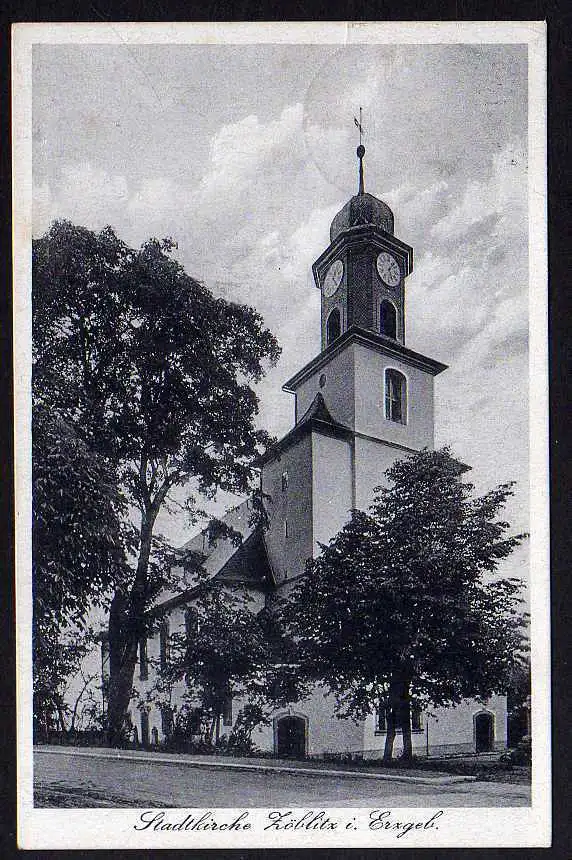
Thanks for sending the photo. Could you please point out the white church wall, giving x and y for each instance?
(337, 389)
(372, 458)
(448, 730)
(144, 685)
(325, 732)
(332, 486)
(370, 367)
(289, 537)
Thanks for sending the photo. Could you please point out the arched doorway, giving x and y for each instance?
(291, 737)
(484, 733)
(145, 728)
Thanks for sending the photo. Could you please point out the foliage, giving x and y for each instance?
(153, 373)
(402, 604)
(250, 716)
(78, 537)
(57, 662)
(79, 545)
(519, 684)
(519, 700)
(224, 654)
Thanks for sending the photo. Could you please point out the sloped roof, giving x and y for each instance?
(356, 334)
(317, 409)
(362, 209)
(222, 559)
(249, 564)
(246, 565)
(316, 417)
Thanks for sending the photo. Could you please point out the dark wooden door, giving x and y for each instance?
(145, 728)
(484, 733)
(291, 737)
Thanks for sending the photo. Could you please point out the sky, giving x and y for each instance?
(244, 154)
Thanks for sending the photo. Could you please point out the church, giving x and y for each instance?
(364, 401)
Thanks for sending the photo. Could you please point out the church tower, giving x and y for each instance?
(364, 401)
(362, 272)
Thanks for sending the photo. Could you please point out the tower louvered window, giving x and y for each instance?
(388, 319)
(334, 326)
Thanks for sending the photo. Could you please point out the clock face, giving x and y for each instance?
(388, 269)
(333, 278)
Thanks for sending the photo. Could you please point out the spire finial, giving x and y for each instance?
(360, 153)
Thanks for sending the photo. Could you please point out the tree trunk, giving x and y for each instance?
(126, 627)
(61, 718)
(120, 688)
(406, 720)
(77, 702)
(398, 714)
(390, 736)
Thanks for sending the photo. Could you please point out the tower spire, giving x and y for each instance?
(360, 153)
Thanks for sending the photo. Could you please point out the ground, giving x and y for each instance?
(68, 779)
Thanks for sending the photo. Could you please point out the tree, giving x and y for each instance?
(223, 654)
(65, 695)
(78, 538)
(403, 606)
(78, 556)
(518, 700)
(154, 375)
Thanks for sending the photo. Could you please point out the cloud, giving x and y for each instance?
(502, 194)
(251, 153)
(85, 194)
(249, 187)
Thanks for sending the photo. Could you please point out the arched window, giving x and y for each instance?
(227, 706)
(333, 326)
(388, 319)
(164, 643)
(145, 728)
(284, 481)
(191, 631)
(416, 718)
(191, 622)
(395, 396)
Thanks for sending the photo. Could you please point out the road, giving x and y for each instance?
(74, 780)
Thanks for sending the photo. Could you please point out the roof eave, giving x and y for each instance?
(313, 424)
(383, 344)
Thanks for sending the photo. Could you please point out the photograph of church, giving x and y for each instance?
(365, 400)
(282, 433)
(280, 367)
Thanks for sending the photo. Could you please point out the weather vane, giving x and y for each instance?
(360, 152)
(359, 125)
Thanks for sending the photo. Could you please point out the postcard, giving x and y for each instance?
(282, 435)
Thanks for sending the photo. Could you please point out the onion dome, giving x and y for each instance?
(362, 209)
